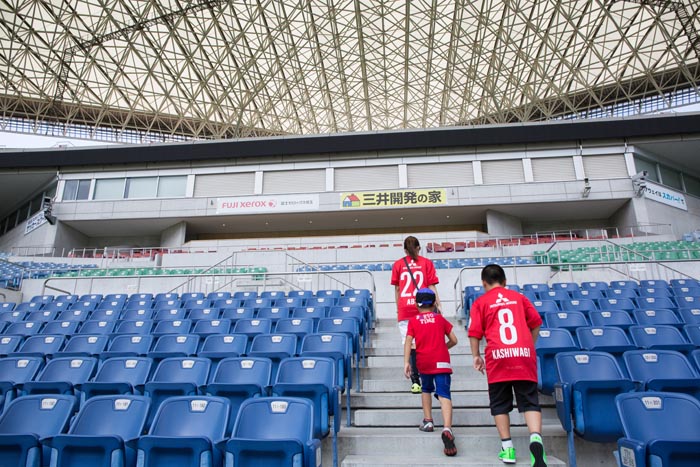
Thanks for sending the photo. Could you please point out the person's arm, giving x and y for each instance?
(451, 340)
(407, 356)
(437, 298)
(535, 334)
(476, 353)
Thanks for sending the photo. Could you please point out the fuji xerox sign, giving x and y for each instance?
(263, 204)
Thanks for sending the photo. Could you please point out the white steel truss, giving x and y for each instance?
(231, 68)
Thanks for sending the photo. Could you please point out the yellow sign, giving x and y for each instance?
(393, 198)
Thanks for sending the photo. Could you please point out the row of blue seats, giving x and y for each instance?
(615, 304)
(187, 431)
(457, 263)
(595, 285)
(608, 339)
(11, 274)
(587, 398)
(623, 319)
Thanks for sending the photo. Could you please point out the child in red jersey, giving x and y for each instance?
(433, 360)
(510, 325)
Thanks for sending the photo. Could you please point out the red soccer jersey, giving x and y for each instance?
(429, 331)
(423, 272)
(506, 318)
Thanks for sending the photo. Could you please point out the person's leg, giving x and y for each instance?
(528, 403)
(427, 403)
(501, 403)
(427, 389)
(442, 392)
(533, 419)
(503, 425)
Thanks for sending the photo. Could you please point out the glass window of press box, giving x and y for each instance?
(76, 190)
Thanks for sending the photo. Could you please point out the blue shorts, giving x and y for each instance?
(437, 383)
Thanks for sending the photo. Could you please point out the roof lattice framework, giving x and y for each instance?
(221, 69)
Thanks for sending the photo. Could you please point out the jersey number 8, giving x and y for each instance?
(508, 333)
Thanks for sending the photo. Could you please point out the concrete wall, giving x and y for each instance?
(174, 236)
(500, 223)
(43, 236)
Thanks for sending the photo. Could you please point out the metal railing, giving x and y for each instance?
(577, 272)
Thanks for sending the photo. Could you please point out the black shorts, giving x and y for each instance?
(501, 397)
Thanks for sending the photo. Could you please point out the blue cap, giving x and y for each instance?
(425, 297)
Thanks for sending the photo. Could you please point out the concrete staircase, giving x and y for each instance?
(386, 416)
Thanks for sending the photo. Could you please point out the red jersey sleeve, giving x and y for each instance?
(410, 331)
(532, 317)
(430, 275)
(447, 325)
(395, 273)
(476, 325)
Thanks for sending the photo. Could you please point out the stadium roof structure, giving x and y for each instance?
(229, 69)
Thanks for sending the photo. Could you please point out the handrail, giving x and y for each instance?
(458, 286)
(206, 271)
(316, 269)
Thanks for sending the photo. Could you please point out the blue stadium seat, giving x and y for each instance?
(23, 328)
(111, 304)
(348, 326)
(166, 296)
(659, 338)
(339, 348)
(97, 327)
(218, 295)
(257, 303)
(13, 316)
(116, 297)
(65, 328)
(659, 430)
(656, 292)
(663, 370)
(545, 306)
(84, 345)
(178, 326)
(632, 285)
(692, 331)
(566, 320)
(119, 375)
(146, 304)
(329, 293)
(66, 299)
(9, 344)
(234, 314)
(612, 340)
(7, 306)
(288, 302)
(252, 327)
(167, 304)
(79, 315)
(355, 312)
(220, 346)
(240, 378)
(243, 295)
(273, 313)
(138, 314)
(42, 316)
(208, 327)
(653, 284)
(140, 296)
(26, 421)
(536, 287)
(57, 306)
(184, 432)
(177, 376)
(549, 343)
(106, 314)
(273, 294)
(273, 431)
(686, 292)
(95, 298)
(617, 304)
(313, 379)
(568, 286)
(276, 347)
(585, 396)
(321, 301)
(655, 303)
(197, 304)
(695, 358)
(169, 314)
(174, 345)
(684, 283)
(83, 305)
(688, 302)
(228, 303)
(102, 433)
(514, 287)
(29, 306)
(657, 317)
(617, 318)
(204, 314)
(16, 371)
(140, 327)
(61, 375)
(304, 294)
(313, 312)
(185, 297)
(43, 299)
(584, 306)
(41, 346)
(588, 294)
(300, 327)
(622, 293)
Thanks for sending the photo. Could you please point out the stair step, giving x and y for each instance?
(393, 351)
(477, 399)
(460, 417)
(393, 369)
(467, 460)
(396, 361)
(396, 385)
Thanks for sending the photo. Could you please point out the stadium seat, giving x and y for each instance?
(655, 292)
(43, 299)
(273, 313)
(119, 375)
(26, 421)
(138, 314)
(288, 302)
(585, 396)
(9, 344)
(549, 343)
(240, 378)
(29, 306)
(257, 303)
(238, 313)
(166, 296)
(686, 292)
(584, 306)
(140, 296)
(86, 306)
(43, 346)
(313, 312)
(243, 295)
(617, 318)
(616, 304)
(663, 370)
(111, 304)
(688, 302)
(587, 294)
(304, 294)
(570, 287)
(169, 314)
(300, 327)
(612, 340)
(657, 317)
(79, 315)
(273, 431)
(219, 346)
(16, 371)
(348, 326)
(65, 328)
(142, 304)
(42, 316)
(61, 376)
(545, 306)
(622, 294)
(102, 433)
(659, 429)
(203, 314)
(80, 345)
(167, 304)
(23, 328)
(536, 287)
(106, 314)
(178, 326)
(228, 303)
(174, 345)
(695, 358)
(208, 327)
(276, 347)
(655, 303)
(659, 338)
(313, 379)
(566, 320)
(97, 327)
(332, 293)
(252, 327)
(95, 298)
(684, 283)
(692, 332)
(321, 301)
(624, 285)
(197, 304)
(13, 316)
(7, 306)
(184, 432)
(185, 297)
(218, 296)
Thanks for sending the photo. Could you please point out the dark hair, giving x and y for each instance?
(493, 274)
(411, 245)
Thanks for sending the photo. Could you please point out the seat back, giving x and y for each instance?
(612, 303)
(566, 320)
(223, 345)
(554, 294)
(243, 370)
(584, 305)
(305, 294)
(545, 306)
(177, 344)
(315, 312)
(297, 326)
(114, 415)
(656, 317)
(97, 327)
(237, 313)
(252, 327)
(272, 418)
(207, 327)
(692, 331)
(587, 366)
(648, 416)
(182, 370)
(169, 314)
(273, 313)
(74, 314)
(19, 369)
(536, 287)
(649, 337)
(218, 295)
(42, 345)
(688, 302)
(132, 370)
(43, 415)
(603, 338)
(138, 314)
(549, 343)
(192, 416)
(646, 365)
(75, 370)
(135, 327)
(9, 344)
(131, 344)
(617, 318)
(23, 328)
(85, 345)
(624, 285)
(178, 326)
(199, 314)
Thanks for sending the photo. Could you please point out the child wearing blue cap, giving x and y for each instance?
(429, 330)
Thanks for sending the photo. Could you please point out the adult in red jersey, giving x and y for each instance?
(410, 273)
(510, 325)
